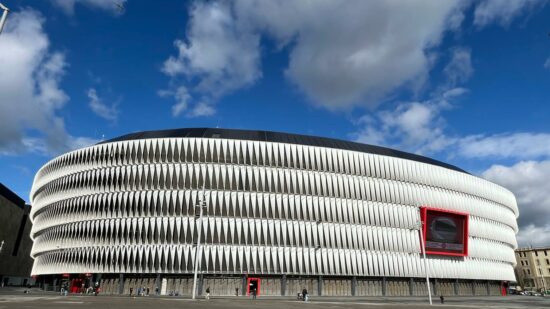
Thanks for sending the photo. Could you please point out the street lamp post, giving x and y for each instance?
(4, 16)
(418, 227)
(200, 206)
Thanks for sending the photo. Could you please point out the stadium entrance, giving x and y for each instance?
(253, 284)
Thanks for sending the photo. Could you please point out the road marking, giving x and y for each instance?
(68, 302)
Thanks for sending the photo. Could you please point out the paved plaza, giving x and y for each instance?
(14, 298)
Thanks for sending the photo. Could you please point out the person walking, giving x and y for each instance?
(147, 292)
(304, 294)
(208, 293)
(254, 292)
(131, 290)
(157, 291)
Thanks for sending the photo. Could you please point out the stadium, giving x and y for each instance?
(275, 212)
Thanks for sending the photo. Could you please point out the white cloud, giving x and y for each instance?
(30, 94)
(220, 56)
(100, 108)
(547, 63)
(113, 6)
(459, 69)
(419, 126)
(181, 95)
(202, 109)
(415, 126)
(511, 145)
(341, 53)
(528, 180)
(502, 12)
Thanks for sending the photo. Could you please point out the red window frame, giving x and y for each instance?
(425, 211)
(248, 285)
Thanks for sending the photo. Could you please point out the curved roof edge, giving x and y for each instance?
(279, 137)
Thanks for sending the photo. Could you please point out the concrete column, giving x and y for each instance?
(320, 285)
(436, 288)
(411, 286)
(488, 288)
(200, 284)
(384, 283)
(158, 283)
(455, 285)
(121, 284)
(283, 285)
(245, 287)
(353, 285)
(55, 284)
(473, 287)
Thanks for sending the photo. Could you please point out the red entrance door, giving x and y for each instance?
(253, 284)
(76, 285)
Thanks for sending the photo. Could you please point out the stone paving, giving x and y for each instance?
(14, 298)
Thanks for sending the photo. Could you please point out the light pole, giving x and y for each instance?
(418, 226)
(200, 206)
(4, 16)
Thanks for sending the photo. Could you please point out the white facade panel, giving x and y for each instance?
(273, 208)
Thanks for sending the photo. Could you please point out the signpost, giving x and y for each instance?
(200, 206)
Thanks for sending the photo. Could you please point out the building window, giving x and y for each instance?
(547, 262)
(538, 263)
(545, 253)
(526, 263)
(536, 253)
(528, 271)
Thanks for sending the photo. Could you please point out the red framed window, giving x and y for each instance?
(445, 232)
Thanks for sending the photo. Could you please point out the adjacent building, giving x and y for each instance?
(280, 212)
(533, 268)
(15, 244)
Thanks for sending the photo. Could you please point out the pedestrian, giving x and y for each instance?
(442, 299)
(236, 291)
(131, 290)
(304, 294)
(147, 291)
(254, 292)
(157, 290)
(208, 293)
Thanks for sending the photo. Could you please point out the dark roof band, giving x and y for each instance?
(278, 137)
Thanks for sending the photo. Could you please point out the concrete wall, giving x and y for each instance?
(328, 286)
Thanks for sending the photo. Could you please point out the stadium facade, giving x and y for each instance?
(281, 212)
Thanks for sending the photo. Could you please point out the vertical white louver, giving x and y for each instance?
(274, 208)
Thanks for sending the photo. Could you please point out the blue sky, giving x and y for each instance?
(464, 82)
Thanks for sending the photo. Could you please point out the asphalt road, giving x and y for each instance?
(16, 299)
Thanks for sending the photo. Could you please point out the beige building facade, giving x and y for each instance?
(533, 268)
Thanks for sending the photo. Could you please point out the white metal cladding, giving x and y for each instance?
(273, 208)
